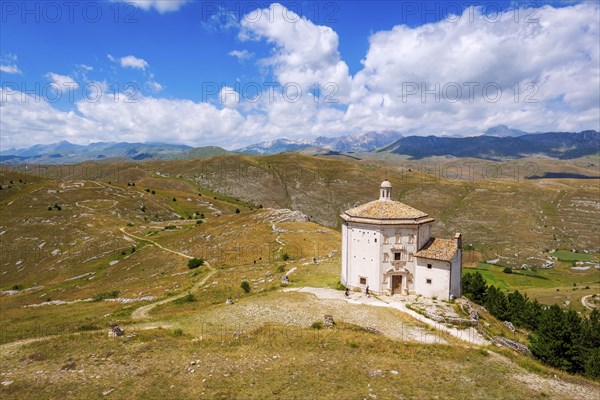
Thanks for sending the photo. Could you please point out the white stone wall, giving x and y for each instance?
(456, 275)
(345, 265)
(364, 256)
(439, 274)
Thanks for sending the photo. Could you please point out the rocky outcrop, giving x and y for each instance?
(511, 344)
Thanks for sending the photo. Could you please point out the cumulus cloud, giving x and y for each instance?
(304, 53)
(457, 76)
(162, 6)
(61, 82)
(132, 62)
(29, 120)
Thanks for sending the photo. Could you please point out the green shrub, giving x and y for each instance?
(281, 268)
(106, 295)
(285, 257)
(317, 325)
(245, 286)
(507, 270)
(195, 263)
(188, 298)
(178, 332)
(237, 210)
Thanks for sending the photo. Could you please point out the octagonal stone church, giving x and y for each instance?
(387, 246)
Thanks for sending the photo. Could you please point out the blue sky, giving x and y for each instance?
(201, 73)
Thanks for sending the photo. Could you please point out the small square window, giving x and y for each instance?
(429, 281)
(428, 266)
(363, 281)
(397, 256)
(375, 240)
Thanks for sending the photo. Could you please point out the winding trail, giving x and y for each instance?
(585, 302)
(143, 311)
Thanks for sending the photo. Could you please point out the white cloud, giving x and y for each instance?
(154, 86)
(10, 69)
(132, 62)
(8, 64)
(304, 53)
(219, 19)
(162, 6)
(61, 82)
(556, 57)
(229, 97)
(26, 120)
(241, 55)
(559, 54)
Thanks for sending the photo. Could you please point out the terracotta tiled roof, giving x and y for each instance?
(438, 249)
(385, 209)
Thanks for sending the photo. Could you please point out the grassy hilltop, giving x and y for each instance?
(105, 239)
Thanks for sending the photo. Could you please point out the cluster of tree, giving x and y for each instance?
(560, 338)
(195, 262)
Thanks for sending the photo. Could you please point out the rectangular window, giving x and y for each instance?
(410, 256)
(363, 280)
(428, 266)
(411, 238)
(375, 240)
(386, 239)
(398, 237)
(429, 281)
(386, 257)
(397, 256)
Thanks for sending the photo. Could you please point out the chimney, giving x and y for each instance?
(458, 240)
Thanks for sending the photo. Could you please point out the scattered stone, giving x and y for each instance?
(229, 301)
(328, 320)
(69, 365)
(107, 392)
(115, 331)
(373, 330)
(7, 383)
(509, 325)
(285, 280)
(394, 372)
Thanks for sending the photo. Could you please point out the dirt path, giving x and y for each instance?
(160, 246)
(143, 311)
(469, 335)
(585, 302)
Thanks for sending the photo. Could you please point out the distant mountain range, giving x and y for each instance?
(65, 152)
(499, 142)
(562, 145)
(503, 131)
(362, 142)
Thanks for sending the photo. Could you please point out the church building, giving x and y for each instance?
(387, 246)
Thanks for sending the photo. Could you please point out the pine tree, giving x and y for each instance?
(474, 287)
